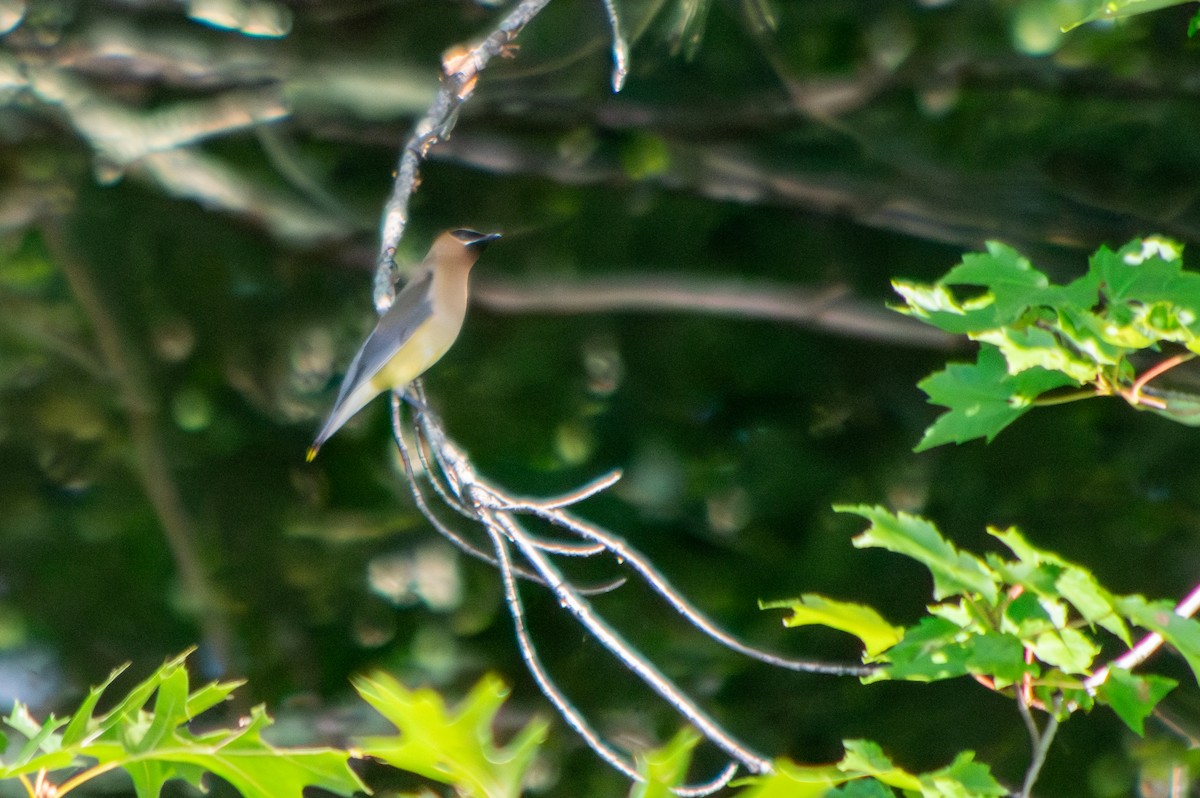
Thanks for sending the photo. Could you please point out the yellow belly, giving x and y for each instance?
(426, 347)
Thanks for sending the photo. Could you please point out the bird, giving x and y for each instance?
(414, 333)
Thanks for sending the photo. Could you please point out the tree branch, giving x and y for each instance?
(460, 71)
(830, 309)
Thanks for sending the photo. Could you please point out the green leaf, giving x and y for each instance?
(1029, 615)
(1145, 271)
(982, 397)
(936, 649)
(169, 704)
(866, 772)
(78, 727)
(1180, 407)
(998, 655)
(930, 651)
(1010, 279)
(864, 757)
(155, 746)
(1134, 697)
(859, 620)
(453, 747)
(666, 767)
(1038, 336)
(1117, 9)
(39, 736)
(954, 572)
(1007, 284)
(862, 788)
(127, 709)
(1026, 348)
(1069, 650)
(963, 778)
(937, 305)
(790, 780)
(209, 696)
(258, 770)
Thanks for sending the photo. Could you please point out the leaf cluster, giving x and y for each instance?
(1038, 338)
(147, 735)
(1032, 624)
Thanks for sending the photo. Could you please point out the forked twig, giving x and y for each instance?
(498, 512)
(448, 532)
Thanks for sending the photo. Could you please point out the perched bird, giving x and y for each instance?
(415, 332)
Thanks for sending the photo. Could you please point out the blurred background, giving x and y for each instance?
(189, 200)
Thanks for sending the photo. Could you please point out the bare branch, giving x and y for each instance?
(655, 579)
(830, 309)
(549, 689)
(495, 510)
(460, 73)
(620, 47)
(444, 529)
(630, 657)
(1041, 747)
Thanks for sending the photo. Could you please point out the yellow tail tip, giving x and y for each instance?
(311, 454)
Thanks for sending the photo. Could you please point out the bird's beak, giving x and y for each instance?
(475, 239)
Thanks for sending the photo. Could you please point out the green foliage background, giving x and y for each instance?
(855, 143)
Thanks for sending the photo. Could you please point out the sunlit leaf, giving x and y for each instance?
(864, 757)
(790, 780)
(153, 745)
(953, 571)
(665, 768)
(1067, 649)
(1116, 9)
(859, 620)
(451, 746)
(962, 778)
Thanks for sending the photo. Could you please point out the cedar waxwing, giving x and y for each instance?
(415, 332)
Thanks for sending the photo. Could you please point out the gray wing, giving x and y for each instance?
(412, 308)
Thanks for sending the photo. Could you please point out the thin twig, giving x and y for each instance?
(620, 47)
(565, 708)
(444, 529)
(458, 82)
(659, 583)
(1042, 747)
(495, 510)
(630, 657)
(500, 525)
(1035, 735)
